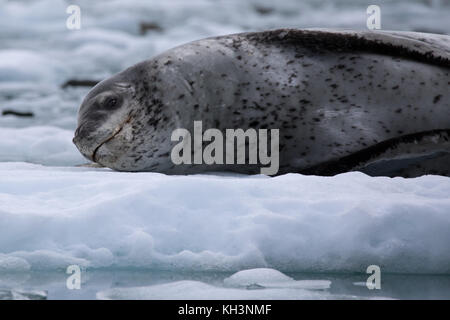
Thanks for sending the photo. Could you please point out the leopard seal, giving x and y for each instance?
(373, 101)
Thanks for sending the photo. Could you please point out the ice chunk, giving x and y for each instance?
(196, 290)
(19, 294)
(271, 278)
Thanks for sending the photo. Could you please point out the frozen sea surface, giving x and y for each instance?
(181, 236)
(53, 217)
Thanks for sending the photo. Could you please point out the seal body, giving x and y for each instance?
(377, 102)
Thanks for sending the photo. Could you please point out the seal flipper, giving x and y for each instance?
(407, 156)
(437, 163)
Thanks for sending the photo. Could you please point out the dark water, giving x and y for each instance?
(394, 286)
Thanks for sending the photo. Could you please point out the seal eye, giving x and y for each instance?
(110, 102)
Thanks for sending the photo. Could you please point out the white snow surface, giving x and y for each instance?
(51, 217)
(53, 213)
(46, 145)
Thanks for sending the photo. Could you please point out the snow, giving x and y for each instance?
(23, 65)
(39, 144)
(52, 217)
(54, 213)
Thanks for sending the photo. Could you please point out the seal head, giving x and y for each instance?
(122, 119)
(103, 115)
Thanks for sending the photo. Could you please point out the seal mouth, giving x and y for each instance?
(116, 131)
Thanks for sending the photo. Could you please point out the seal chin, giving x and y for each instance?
(103, 155)
(116, 131)
(112, 151)
(109, 156)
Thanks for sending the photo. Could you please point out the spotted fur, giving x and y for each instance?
(343, 101)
